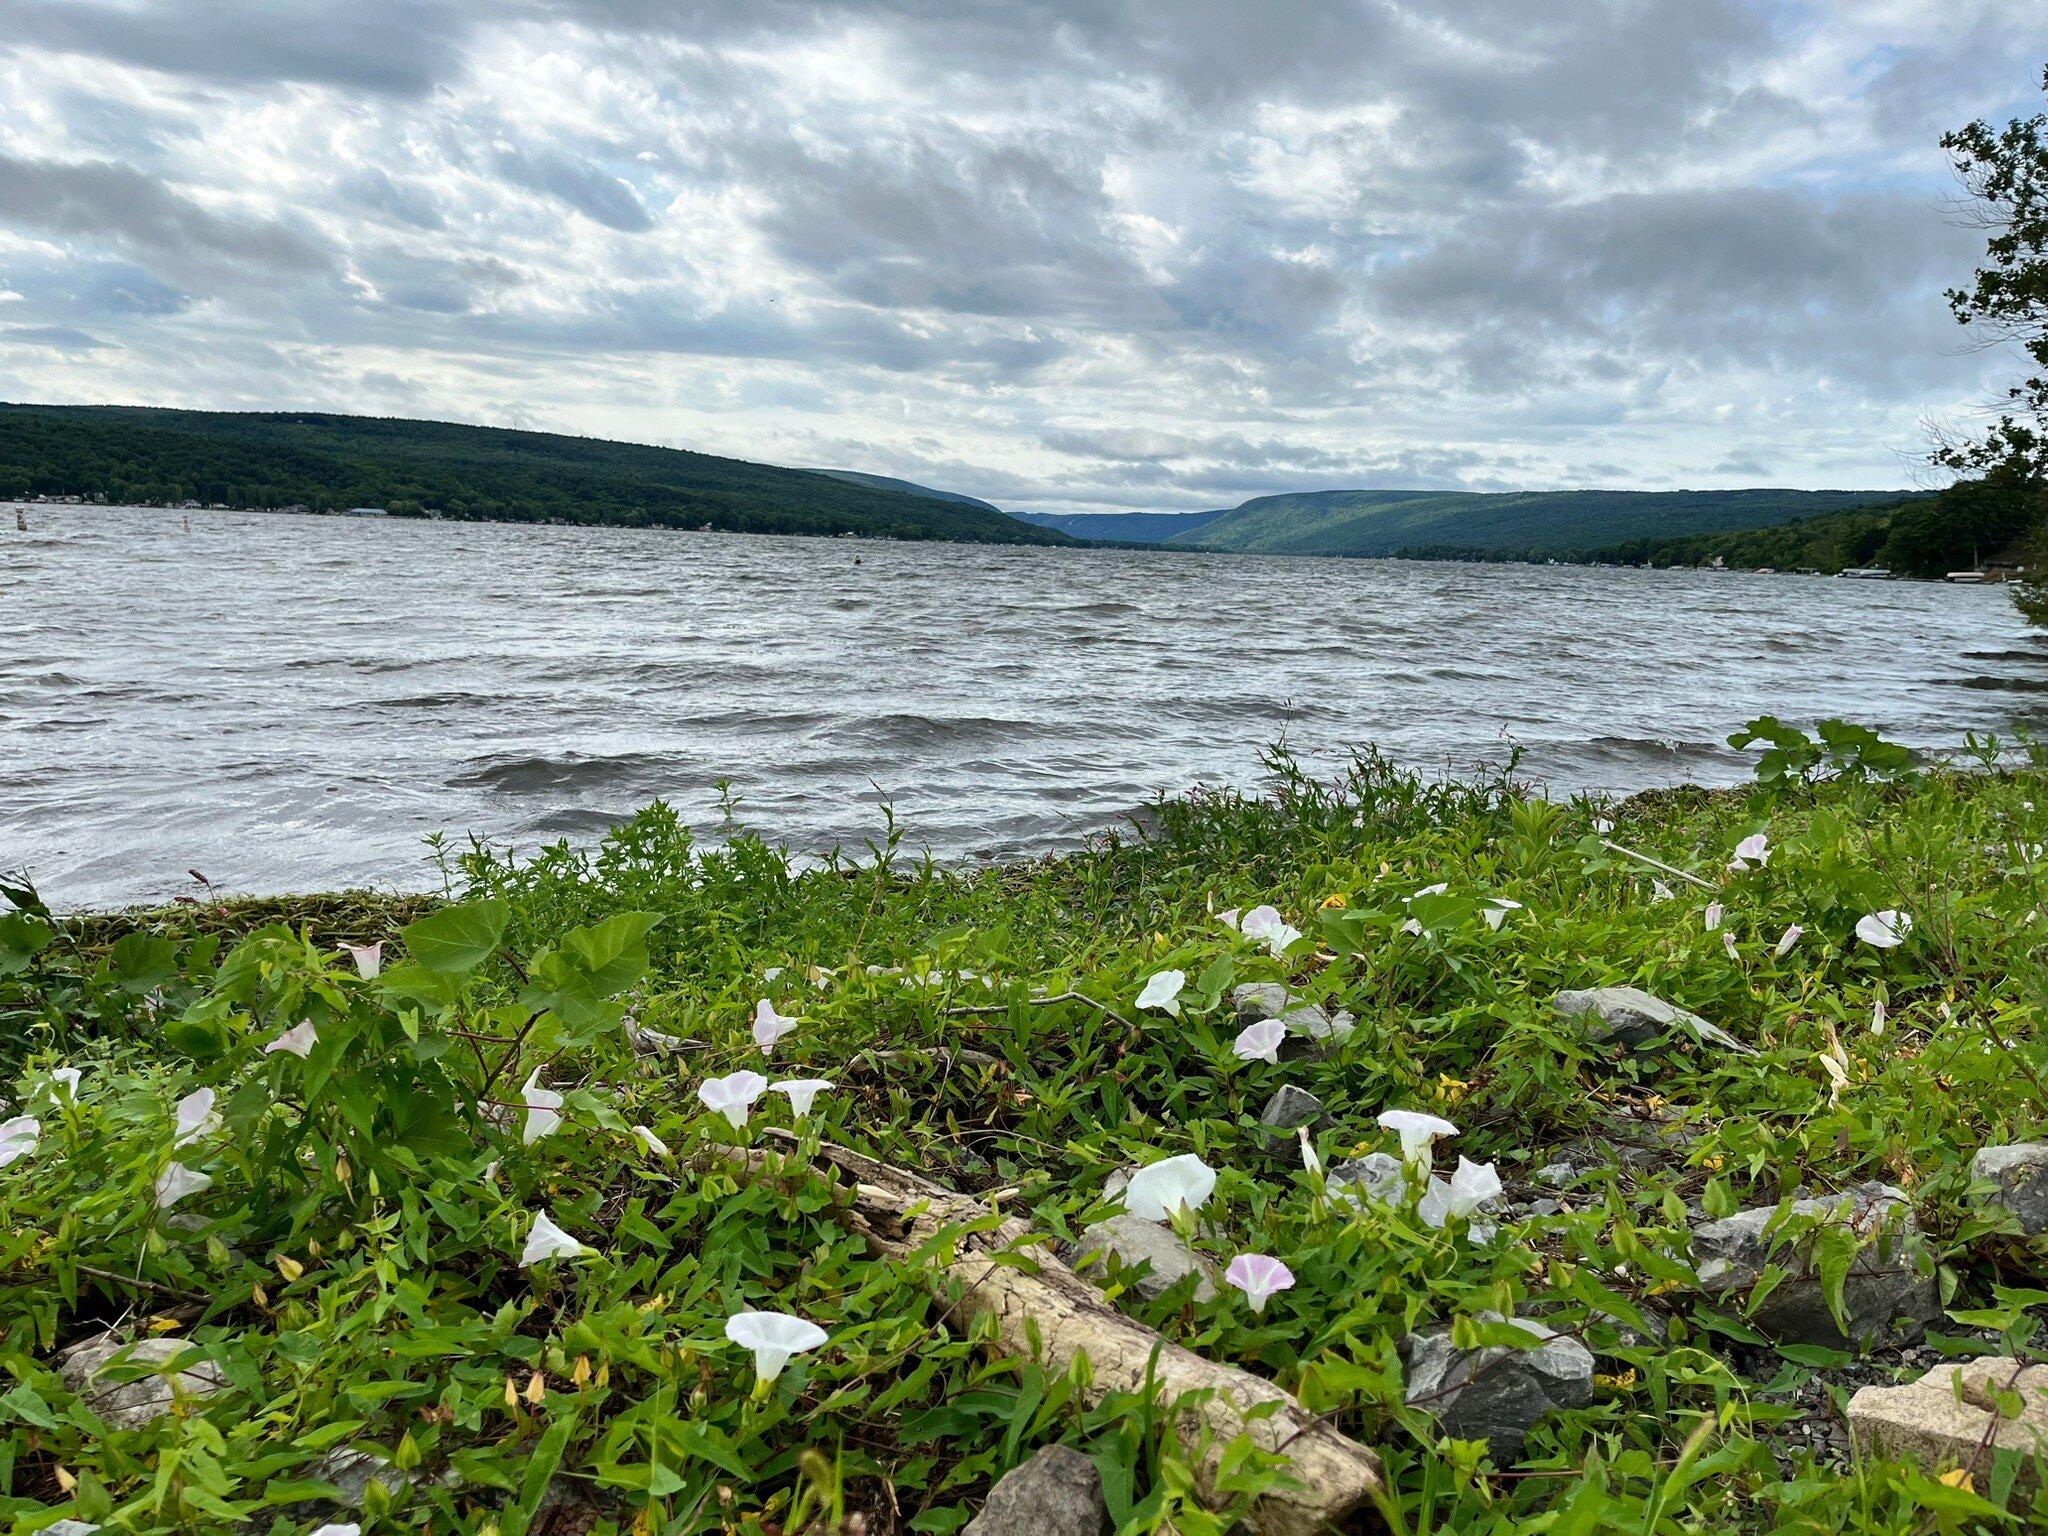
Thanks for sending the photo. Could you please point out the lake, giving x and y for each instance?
(294, 702)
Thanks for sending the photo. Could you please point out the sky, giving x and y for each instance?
(1067, 255)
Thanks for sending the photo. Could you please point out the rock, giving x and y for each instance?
(1544, 1207)
(1314, 1022)
(1949, 1418)
(1290, 1107)
(1058, 1492)
(1496, 1394)
(1885, 1296)
(69, 1528)
(1380, 1173)
(1124, 1242)
(1556, 1175)
(2020, 1173)
(1632, 1017)
(352, 1472)
(1256, 1000)
(133, 1404)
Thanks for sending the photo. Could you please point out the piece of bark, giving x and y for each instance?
(1042, 1309)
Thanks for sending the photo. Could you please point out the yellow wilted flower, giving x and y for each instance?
(1959, 1477)
(1618, 1383)
(1450, 1089)
(1662, 1288)
(1334, 900)
(581, 1374)
(511, 1393)
(291, 1269)
(164, 1325)
(65, 1481)
(536, 1388)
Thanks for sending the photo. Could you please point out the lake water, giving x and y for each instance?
(289, 702)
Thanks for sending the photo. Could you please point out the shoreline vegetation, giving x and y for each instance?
(652, 1187)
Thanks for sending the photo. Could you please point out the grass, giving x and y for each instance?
(353, 1268)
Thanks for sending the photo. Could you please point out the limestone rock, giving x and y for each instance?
(133, 1404)
(1290, 1107)
(1942, 1420)
(1057, 1492)
(1379, 1173)
(1125, 1242)
(1256, 1000)
(1496, 1394)
(1631, 1017)
(2020, 1173)
(1886, 1296)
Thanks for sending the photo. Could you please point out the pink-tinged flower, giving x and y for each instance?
(297, 1041)
(1713, 916)
(1260, 1041)
(1877, 1017)
(543, 1108)
(1263, 925)
(1884, 930)
(1728, 943)
(1471, 1186)
(733, 1095)
(650, 1141)
(1787, 939)
(369, 959)
(64, 1084)
(802, 1092)
(770, 1026)
(195, 1116)
(1259, 1277)
(1754, 849)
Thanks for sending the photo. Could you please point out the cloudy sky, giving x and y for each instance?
(1064, 254)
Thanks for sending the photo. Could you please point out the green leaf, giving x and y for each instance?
(142, 961)
(458, 939)
(612, 953)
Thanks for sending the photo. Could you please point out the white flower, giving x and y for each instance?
(1310, 1159)
(1728, 943)
(770, 1026)
(733, 1094)
(1413, 927)
(772, 973)
(1159, 1189)
(1471, 1186)
(333, 1528)
(1753, 849)
(773, 1337)
(545, 1240)
(18, 1138)
(650, 1141)
(1713, 916)
(298, 1040)
(1602, 825)
(1787, 939)
(1264, 925)
(1259, 1277)
(1163, 992)
(802, 1091)
(1429, 890)
(1877, 1016)
(195, 1116)
(178, 1181)
(369, 959)
(1659, 891)
(1416, 1131)
(1884, 930)
(1260, 1041)
(66, 1079)
(1497, 909)
(543, 1108)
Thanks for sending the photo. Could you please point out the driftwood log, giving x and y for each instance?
(1042, 1309)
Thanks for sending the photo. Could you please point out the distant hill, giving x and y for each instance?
(1125, 527)
(912, 488)
(282, 459)
(1513, 523)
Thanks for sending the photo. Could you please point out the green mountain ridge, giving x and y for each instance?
(328, 462)
(1124, 527)
(1538, 524)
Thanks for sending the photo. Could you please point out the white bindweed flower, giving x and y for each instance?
(1259, 1277)
(1468, 1188)
(1260, 1041)
(545, 1240)
(195, 1116)
(369, 959)
(1497, 909)
(1728, 943)
(1163, 992)
(299, 1040)
(1264, 925)
(802, 1091)
(733, 1095)
(1659, 891)
(1884, 930)
(543, 1108)
(1713, 916)
(1413, 927)
(1310, 1158)
(1416, 1131)
(1754, 849)
(176, 1182)
(64, 1084)
(337, 1528)
(770, 1026)
(650, 1141)
(773, 1337)
(1159, 1189)
(1429, 890)
(1877, 1016)
(1787, 939)
(1602, 825)
(18, 1138)
(772, 973)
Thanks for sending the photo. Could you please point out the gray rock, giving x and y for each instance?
(1058, 1492)
(1544, 1207)
(1496, 1394)
(69, 1528)
(2020, 1174)
(1632, 1017)
(1556, 1175)
(1886, 1295)
(352, 1472)
(1313, 1022)
(133, 1404)
(1379, 1173)
(1255, 1000)
(1290, 1107)
(1124, 1242)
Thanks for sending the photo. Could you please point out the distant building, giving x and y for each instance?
(364, 512)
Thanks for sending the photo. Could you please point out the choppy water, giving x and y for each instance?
(295, 702)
